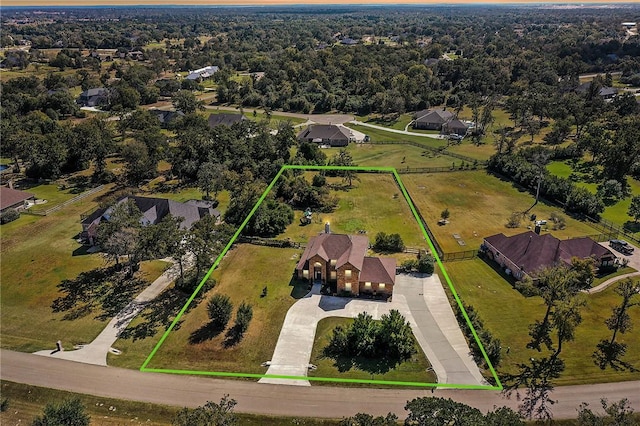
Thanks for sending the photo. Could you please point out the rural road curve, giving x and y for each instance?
(312, 401)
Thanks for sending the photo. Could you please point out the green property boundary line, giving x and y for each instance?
(396, 176)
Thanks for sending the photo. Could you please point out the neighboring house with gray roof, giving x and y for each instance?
(605, 92)
(341, 260)
(432, 119)
(153, 211)
(94, 97)
(527, 253)
(225, 119)
(327, 134)
(166, 117)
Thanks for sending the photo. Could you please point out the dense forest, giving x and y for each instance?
(524, 61)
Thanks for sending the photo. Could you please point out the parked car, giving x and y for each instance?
(621, 246)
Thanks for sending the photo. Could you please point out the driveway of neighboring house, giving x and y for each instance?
(96, 351)
(421, 300)
(634, 262)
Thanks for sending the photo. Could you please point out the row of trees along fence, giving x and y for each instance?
(452, 168)
(270, 242)
(66, 203)
(442, 150)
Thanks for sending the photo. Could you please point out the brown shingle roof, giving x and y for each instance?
(10, 197)
(343, 248)
(532, 252)
(378, 270)
(225, 119)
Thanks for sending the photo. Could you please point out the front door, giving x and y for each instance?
(318, 274)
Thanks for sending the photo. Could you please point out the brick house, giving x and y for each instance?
(341, 260)
(525, 254)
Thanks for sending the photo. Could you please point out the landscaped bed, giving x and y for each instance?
(507, 315)
(414, 370)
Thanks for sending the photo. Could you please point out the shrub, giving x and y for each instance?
(220, 309)
(425, 263)
(514, 220)
(391, 243)
(9, 216)
(491, 344)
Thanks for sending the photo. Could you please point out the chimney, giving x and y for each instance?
(327, 229)
(537, 229)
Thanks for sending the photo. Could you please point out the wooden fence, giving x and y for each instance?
(443, 151)
(66, 203)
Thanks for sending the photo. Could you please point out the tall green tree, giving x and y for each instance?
(186, 101)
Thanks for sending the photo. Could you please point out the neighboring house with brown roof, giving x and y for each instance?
(342, 259)
(527, 253)
(225, 119)
(153, 211)
(327, 134)
(14, 199)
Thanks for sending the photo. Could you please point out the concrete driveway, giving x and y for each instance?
(421, 300)
(634, 262)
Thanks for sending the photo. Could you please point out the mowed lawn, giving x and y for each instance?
(243, 273)
(398, 156)
(37, 254)
(374, 204)
(507, 315)
(479, 205)
(413, 370)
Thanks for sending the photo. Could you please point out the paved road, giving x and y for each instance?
(312, 401)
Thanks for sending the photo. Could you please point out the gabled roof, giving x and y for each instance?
(225, 119)
(437, 116)
(531, 251)
(155, 209)
(165, 116)
(325, 132)
(604, 90)
(10, 197)
(344, 248)
(98, 91)
(378, 270)
(205, 72)
(456, 124)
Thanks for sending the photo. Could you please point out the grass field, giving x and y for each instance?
(37, 254)
(507, 315)
(398, 156)
(374, 204)
(480, 205)
(26, 402)
(616, 213)
(413, 370)
(242, 275)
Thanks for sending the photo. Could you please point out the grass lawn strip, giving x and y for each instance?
(144, 366)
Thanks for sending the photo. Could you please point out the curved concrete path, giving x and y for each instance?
(96, 351)
(421, 300)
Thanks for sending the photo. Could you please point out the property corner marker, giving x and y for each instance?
(396, 176)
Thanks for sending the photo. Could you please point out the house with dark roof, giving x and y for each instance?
(605, 92)
(153, 211)
(527, 253)
(341, 260)
(327, 134)
(225, 119)
(94, 97)
(347, 41)
(14, 199)
(166, 117)
(455, 126)
(432, 119)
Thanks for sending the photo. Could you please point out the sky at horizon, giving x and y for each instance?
(53, 3)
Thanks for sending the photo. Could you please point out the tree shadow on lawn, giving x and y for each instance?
(632, 226)
(108, 290)
(160, 313)
(369, 365)
(209, 331)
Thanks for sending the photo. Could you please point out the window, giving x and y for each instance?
(305, 273)
(333, 275)
(347, 273)
(367, 285)
(333, 262)
(347, 286)
(381, 286)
